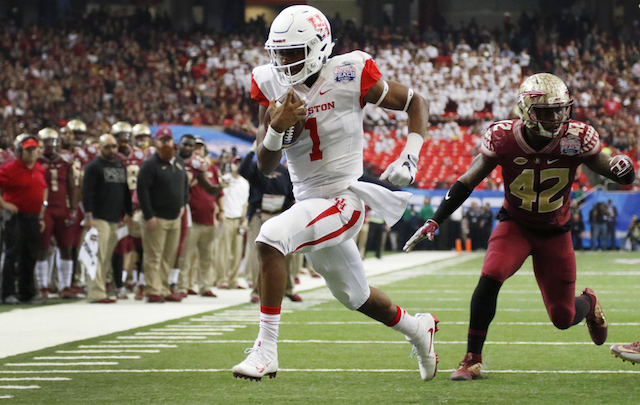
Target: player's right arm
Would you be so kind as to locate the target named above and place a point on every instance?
(270, 134)
(480, 167)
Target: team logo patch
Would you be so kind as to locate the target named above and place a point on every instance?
(520, 160)
(345, 72)
(570, 145)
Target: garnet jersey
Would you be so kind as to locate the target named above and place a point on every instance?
(537, 184)
(328, 154)
(57, 172)
(80, 161)
(202, 205)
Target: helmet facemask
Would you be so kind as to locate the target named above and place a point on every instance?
(299, 29)
(544, 105)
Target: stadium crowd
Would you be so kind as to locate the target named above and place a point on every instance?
(98, 75)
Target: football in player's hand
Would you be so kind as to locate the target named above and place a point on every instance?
(292, 134)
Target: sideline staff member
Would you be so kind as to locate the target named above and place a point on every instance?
(163, 191)
(24, 195)
(107, 199)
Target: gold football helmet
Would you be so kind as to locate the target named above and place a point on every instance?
(76, 126)
(544, 104)
(120, 127)
(141, 135)
(48, 133)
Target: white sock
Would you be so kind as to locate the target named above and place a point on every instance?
(407, 324)
(65, 272)
(124, 276)
(42, 271)
(268, 334)
(141, 279)
(51, 261)
(173, 276)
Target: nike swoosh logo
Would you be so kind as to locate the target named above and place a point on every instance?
(261, 370)
(446, 197)
(431, 331)
(322, 93)
(552, 161)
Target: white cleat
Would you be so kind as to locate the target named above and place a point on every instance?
(423, 346)
(256, 365)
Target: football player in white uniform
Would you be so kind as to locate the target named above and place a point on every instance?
(325, 164)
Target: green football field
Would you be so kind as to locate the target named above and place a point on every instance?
(329, 355)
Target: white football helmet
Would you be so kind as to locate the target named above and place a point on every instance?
(544, 104)
(299, 27)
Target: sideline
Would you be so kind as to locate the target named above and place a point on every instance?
(28, 330)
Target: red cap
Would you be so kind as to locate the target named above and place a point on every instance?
(29, 142)
(236, 159)
(163, 132)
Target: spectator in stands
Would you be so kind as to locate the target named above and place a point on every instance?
(163, 191)
(236, 198)
(107, 201)
(23, 202)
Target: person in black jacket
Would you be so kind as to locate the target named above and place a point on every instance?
(163, 191)
(107, 201)
(268, 196)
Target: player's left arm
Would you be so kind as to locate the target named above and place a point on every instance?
(395, 96)
(618, 168)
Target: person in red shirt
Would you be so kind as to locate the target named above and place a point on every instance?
(59, 215)
(24, 192)
(204, 190)
(539, 154)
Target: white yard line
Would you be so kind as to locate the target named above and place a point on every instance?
(320, 370)
(120, 346)
(107, 351)
(19, 387)
(85, 357)
(390, 342)
(156, 336)
(35, 379)
(77, 363)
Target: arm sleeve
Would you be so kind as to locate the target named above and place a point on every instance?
(247, 168)
(370, 76)
(456, 195)
(90, 186)
(145, 179)
(128, 205)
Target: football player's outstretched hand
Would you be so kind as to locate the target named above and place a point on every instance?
(402, 171)
(426, 231)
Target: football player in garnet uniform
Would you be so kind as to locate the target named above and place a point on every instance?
(325, 164)
(132, 157)
(539, 154)
(59, 215)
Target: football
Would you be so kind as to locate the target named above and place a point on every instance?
(292, 134)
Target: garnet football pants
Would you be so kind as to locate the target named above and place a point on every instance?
(554, 266)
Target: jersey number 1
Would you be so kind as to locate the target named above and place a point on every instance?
(312, 125)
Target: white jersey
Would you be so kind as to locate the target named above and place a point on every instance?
(328, 154)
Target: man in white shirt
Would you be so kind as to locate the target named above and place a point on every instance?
(236, 200)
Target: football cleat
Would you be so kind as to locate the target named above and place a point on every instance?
(629, 352)
(423, 346)
(257, 364)
(469, 369)
(596, 322)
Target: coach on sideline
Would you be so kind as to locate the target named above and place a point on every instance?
(24, 196)
(107, 200)
(163, 191)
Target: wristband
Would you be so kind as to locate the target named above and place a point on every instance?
(414, 144)
(273, 139)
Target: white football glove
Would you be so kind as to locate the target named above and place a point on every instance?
(402, 171)
(426, 231)
(620, 165)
